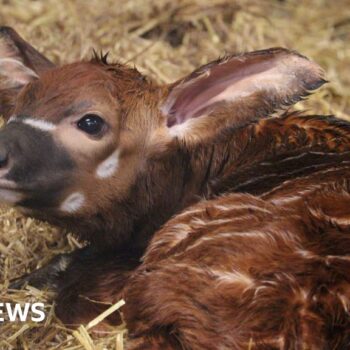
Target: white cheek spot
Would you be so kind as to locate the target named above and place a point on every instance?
(12, 119)
(9, 196)
(40, 124)
(73, 202)
(109, 166)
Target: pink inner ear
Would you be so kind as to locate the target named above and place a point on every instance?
(12, 46)
(282, 73)
(16, 73)
(221, 83)
(12, 67)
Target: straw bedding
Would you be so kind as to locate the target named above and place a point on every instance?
(164, 39)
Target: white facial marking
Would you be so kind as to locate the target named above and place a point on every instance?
(73, 202)
(40, 124)
(12, 119)
(10, 196)
(35, 123)
(109, 166)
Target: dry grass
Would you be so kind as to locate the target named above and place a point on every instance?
(165, 39)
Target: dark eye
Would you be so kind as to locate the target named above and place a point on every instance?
(92, 124)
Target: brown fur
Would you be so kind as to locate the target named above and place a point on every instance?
(256, 252)
(240, 269)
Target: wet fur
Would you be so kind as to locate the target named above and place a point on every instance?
(234, 269)
(230, 236)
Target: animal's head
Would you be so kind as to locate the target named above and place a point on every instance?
(85, 142)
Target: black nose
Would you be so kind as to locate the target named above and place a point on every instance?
(3, 157)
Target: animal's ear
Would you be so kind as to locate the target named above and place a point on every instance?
(243, 88)
(20, 63)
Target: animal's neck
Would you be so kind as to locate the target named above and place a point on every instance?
(179, 178)
(259, 157)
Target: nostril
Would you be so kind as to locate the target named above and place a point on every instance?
(3, 157)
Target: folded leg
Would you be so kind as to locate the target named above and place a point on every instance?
(86, 281)
(93, 282)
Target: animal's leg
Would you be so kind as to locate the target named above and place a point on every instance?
(86, 282)
(91, 284)
(165, 309)
(47, 276)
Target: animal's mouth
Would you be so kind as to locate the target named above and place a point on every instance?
(8, 185)
(10, 193)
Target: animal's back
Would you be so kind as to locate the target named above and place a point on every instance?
(252, 272)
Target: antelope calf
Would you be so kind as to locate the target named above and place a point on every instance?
(222, 227)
